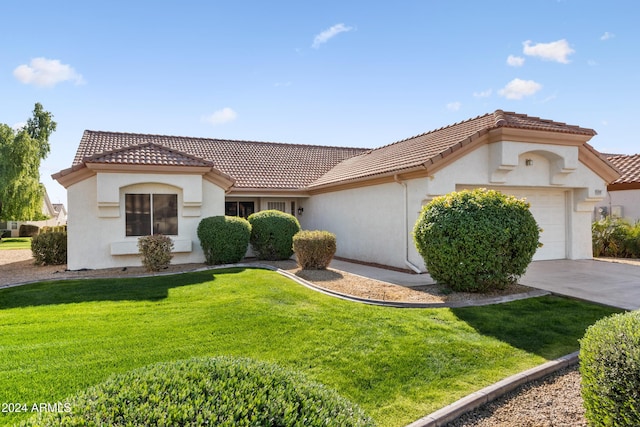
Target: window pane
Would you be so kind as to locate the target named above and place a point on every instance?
(246, 209)
(138, 214)
(165, 214)
(279, 206)
(231, 208)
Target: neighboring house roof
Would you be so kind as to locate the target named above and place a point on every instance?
(429, 148)
(261, 165)
(59, 208)
(629, 167)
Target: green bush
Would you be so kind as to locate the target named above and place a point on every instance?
(224, 239)
(314, 249)
(28, 230)
(208, 391)
(155, 251)
(477, 240)
(49, 248)
(5, 233)
(610, 369)
(272, 234)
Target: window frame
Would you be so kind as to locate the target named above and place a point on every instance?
(150, 213)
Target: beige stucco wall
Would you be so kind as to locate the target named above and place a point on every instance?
(627, 200)
(96, 221)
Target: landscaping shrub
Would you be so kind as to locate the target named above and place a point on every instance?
(314, 249)
(28, 230)
(224, 239)
(272, 234)
(155, 251)
(609, 237)
(49, 248)
(476, 240)
(5, 233)
(207, 391)
(610, 369)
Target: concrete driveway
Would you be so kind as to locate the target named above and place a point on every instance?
(611, 283)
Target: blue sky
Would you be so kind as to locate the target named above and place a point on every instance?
(347, 73)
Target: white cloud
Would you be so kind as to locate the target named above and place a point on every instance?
(454, 106)
(607, 35)
(328, 34)
(518, 89)
(45, 72)
(592, 62)
(484, 94)
(554, 51)
(515, 61)
(220, 117)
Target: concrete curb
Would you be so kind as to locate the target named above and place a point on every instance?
(488, 394)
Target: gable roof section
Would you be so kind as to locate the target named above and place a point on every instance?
(253, 165)
(629, 167)
(428, 151)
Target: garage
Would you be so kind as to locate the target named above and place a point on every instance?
(549, 209)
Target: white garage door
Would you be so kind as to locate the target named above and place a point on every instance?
(549, 209)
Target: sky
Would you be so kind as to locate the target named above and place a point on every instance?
(342, 73)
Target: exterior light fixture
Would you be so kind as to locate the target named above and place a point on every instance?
(300, 210)
(528, 162)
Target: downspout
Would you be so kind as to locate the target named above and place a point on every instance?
(406, 226)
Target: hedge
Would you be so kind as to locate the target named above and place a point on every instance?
(49, 248)
(476, 240)
(272, 234)
(224, 239)
(610, 369)
(219, 391)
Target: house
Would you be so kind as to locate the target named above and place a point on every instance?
(121, 186)
(623, 194)
(55, 212)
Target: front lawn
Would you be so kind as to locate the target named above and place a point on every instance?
(398, 364)
(15, 243)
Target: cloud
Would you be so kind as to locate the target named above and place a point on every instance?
(328, 34)
(554, 51)
(484, 94)
(454, 106)
(515, 61)
(518, 89)
(45, 72)
(220, 117)
(607, 35)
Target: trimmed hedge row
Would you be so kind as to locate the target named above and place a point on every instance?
(610, 369)
(314, 249)
(217, 391)
(224, 239)
(272, 234)
(476, 240)
(28, 230)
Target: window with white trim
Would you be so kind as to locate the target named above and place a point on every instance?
(147, 214)
(279, 206)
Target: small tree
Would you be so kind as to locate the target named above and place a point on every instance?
(272, 234)
(476, 240)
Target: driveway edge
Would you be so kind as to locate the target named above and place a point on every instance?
(474, 400)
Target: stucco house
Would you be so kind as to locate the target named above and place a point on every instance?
(55, 212)
(623, 194)
(121, 186)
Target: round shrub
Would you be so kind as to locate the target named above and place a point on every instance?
(476, 240)
(208, 391)
(49, 248)
(155, 251)
(272, 234)
(314, 249)
(610, 369)
(224, 239)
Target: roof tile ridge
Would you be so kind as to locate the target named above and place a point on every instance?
(202, 138)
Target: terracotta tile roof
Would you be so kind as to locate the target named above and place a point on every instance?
(251, 164)
(426, 148)
(629, 167)
(147, 154)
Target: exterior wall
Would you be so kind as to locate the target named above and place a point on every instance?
(627, 200)
(370, 223)
(96, 219)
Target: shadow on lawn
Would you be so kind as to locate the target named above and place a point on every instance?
(546, 326)
(153, 288)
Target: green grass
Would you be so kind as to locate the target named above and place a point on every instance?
(58, 338)
(15, 243)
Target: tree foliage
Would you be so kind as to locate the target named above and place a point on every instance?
(21, 152)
